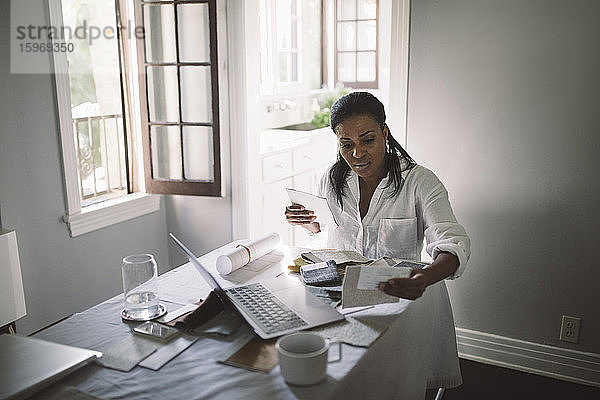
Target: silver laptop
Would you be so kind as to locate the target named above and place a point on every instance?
(28, 364)
(273, 308)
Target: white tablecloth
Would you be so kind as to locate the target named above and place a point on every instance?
(417, 351)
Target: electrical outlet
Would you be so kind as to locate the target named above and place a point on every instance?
(569, 329)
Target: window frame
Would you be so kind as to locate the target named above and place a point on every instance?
(183, 186)
(83, 219)
(356, 84)
(271, 87)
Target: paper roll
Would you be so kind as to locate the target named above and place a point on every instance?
(244, 254)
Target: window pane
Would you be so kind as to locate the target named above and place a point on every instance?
(163, 99)
(313, 46)
(101, 151)
(166, 152)
(346, 9)
(196, 94)
(366, 66)
(346, 67)
(83, 129)
(367, 9)
(194, 39)
(346, 36)
(198, 153)
(367, 35)
(96, 112)
(294, 33)
(115, 145)
(265, 45)
(159, 35)
(284, 24)
(283, 67)
(293, 67)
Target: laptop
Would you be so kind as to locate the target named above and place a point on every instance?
(272, 308)
(28, 364)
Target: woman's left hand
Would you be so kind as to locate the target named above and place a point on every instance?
(406, 288)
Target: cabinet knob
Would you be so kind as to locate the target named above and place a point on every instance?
(308, 156)
(279, 165)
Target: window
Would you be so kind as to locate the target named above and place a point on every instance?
(308, 44)
(96, 101)
(179, 96)
(137, 99)
(356, 43)
(290, 46)
(288, 39)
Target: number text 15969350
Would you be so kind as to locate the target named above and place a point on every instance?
(33, 47)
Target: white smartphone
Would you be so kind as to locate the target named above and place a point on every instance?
(156, 331)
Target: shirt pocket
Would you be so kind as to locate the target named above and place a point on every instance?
(397, 238)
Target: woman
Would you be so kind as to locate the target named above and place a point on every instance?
(383, 202)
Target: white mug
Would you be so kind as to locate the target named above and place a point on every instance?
(303, 357)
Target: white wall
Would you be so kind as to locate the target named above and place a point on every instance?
(61, 275)
(503, 106)
(205, 223)
(202, 223)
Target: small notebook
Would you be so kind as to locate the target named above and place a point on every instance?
(359, 331)
(125, 354)
(252, 353)
(321, 274)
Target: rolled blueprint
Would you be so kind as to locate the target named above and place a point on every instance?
(246, 253)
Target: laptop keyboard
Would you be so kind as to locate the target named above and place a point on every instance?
(266, 310)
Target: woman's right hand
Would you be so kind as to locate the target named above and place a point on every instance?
(296, 214)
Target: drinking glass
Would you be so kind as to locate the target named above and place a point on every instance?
(140, 288)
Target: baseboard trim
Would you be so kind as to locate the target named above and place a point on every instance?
(554, 362)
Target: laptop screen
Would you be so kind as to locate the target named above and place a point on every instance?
(212, 282)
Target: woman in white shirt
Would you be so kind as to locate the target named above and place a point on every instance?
(385, 204)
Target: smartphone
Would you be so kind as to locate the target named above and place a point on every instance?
(156, 331)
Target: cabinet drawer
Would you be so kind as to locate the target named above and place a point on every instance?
(277, 166)
(304, 158)
(307, 157)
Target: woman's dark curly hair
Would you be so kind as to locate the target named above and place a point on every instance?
(397, 159)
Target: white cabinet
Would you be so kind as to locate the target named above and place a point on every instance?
(296, 160)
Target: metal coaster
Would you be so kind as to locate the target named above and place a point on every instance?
(162, 310)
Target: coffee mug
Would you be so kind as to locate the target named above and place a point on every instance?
(303, 357)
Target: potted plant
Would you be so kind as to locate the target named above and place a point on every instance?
(321, 113)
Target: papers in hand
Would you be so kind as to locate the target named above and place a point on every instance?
(369, 277)
(360, 283)
(246, 253)
(314, 203)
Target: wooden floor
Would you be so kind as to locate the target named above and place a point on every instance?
(482, 381)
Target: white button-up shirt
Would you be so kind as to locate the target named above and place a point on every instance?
(396, 226)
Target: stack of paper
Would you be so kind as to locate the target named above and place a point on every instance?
(341, 256)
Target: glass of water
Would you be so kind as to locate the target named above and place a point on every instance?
(140, 288)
